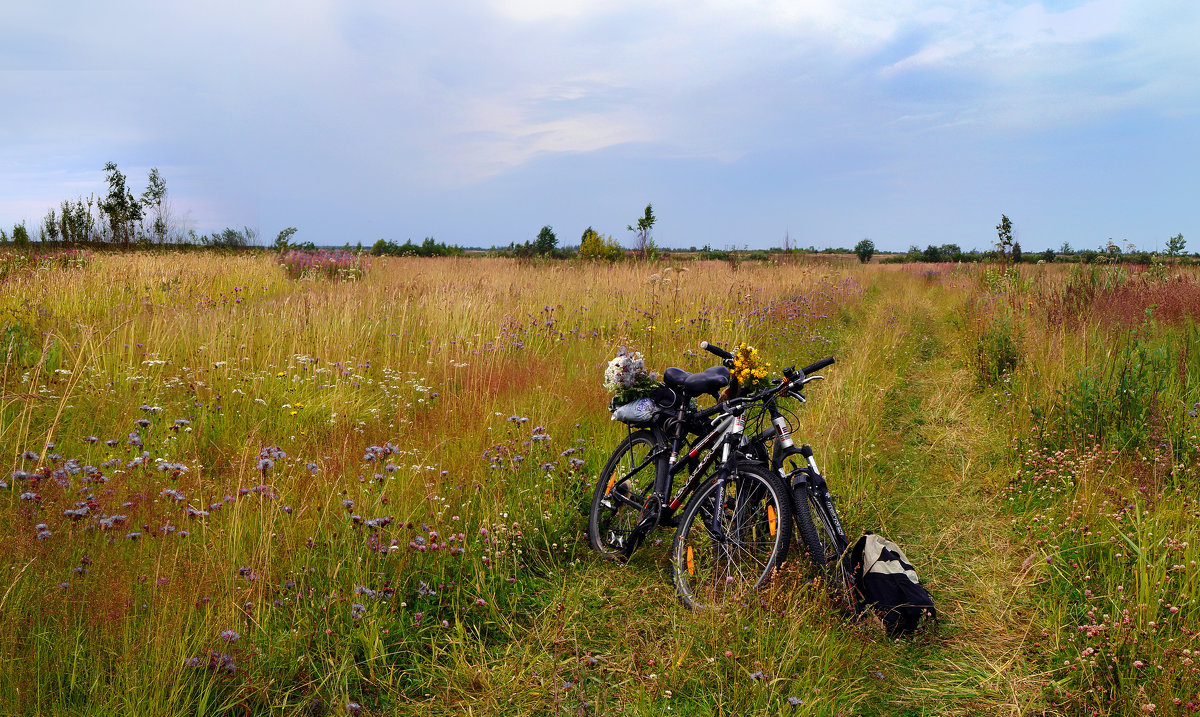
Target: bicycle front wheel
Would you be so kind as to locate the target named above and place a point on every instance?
(722, 551)
(621, 490)
(817, 521)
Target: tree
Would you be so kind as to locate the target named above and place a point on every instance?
(284, 239)
(229, 239)
(122, 209)
(76, 222)
(1176, 245)
(153, 199)
(865, 249)
(593, 246)
(50, 226)
(546, 241)
(1016, 253)
(932, 254)
(20, 235)
(1004, 237)
(643, 242)
(1048, 256)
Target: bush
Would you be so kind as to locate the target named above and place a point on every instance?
(594, 247)
(20, 235)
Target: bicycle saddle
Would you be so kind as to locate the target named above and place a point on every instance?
(710, 380)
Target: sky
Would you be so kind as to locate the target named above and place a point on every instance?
(477, 122)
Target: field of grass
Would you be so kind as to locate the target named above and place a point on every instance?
(228, 490)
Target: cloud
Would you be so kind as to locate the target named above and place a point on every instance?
(370, 108)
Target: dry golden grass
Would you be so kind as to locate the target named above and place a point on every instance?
(442, 359)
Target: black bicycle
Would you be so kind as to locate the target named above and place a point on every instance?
(736, 516)
(817, 522)
(818, 525)
(630, 498)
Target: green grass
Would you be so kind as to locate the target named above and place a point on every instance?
(951, 423)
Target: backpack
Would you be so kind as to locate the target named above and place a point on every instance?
(884, 581)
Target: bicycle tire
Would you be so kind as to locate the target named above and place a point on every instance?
(709, 570)
(610, 520)
(816, 520)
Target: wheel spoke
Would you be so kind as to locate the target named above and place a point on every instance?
(738, 556)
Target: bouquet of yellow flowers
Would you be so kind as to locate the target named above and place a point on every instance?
(749, 370)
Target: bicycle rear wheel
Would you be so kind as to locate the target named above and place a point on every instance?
(754, 529)
(625, 482)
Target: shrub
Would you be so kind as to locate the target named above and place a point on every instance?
(429, 247)
(594, 247)
(20, 235)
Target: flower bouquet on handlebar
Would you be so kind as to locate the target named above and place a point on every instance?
(748, 373)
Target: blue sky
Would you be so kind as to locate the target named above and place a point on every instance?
(478, 122)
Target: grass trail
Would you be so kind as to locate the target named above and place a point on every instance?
(931, 487)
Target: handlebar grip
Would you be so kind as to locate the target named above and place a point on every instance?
(716, 350)
(817, 366)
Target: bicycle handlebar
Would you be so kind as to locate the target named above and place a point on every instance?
(778, 386)
(817, 366)
(716, 351)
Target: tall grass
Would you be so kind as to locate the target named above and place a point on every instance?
(380, 487)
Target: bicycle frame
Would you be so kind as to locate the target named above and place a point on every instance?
(729, 429)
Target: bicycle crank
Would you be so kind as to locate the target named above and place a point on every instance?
(647, 522)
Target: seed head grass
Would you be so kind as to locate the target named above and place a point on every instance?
(255, 491)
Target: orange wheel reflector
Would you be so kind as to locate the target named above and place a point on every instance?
(691, 562)
(611, 482)
(771, 518)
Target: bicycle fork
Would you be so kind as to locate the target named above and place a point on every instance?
(816, 487)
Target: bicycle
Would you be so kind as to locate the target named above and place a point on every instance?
(817, 522)
(807, 493)
(744, 523)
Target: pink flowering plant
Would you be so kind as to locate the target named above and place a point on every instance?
(334, 265)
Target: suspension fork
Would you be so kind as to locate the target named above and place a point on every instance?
(783, 434)
(820, 489)
(662, 484)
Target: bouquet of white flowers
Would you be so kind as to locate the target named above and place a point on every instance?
(626, 377)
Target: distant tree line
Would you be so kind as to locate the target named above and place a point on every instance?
(121, 218)
(429, 247)
(1007, 249)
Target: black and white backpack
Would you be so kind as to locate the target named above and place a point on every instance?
(884, 581)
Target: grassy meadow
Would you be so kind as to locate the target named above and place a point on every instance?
(233, 489)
